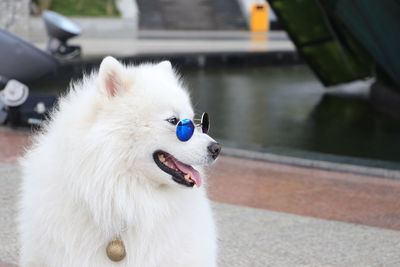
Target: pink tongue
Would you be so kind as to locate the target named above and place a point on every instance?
(194, 175)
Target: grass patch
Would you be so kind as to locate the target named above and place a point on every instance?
(90, 8)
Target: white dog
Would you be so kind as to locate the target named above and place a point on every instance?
(108, 183)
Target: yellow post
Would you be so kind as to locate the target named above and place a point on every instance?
(259, 18)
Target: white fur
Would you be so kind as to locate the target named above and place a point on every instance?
(90, 176)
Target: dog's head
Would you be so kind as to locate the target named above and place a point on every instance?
(140, 109)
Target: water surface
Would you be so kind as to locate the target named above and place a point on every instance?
(287, 110)
(283, 110)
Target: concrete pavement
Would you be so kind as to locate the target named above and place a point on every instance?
(166, 43)
(98, 42)
(254, 237)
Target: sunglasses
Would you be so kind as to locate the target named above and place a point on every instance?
(185, 127)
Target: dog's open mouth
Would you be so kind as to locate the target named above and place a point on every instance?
(181, 173)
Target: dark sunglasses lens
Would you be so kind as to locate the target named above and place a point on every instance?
(205, 123)
(184, 130)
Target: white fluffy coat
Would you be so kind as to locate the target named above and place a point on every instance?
(90, 176)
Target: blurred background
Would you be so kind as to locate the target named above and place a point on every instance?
(308, 95)
(304, 96)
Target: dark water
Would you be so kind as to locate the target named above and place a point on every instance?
(286, 110)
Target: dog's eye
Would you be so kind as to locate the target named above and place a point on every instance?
(173, 120)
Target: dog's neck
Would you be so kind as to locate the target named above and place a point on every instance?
(137, 206)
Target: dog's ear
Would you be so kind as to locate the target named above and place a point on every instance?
(166, 65)
(111, 76)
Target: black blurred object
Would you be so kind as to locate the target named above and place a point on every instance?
(21, 60)
(20, 108)
(3, 113)
(60, 29)
(31, 113)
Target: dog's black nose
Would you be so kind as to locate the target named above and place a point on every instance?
(214, 150)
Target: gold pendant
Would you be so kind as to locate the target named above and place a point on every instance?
(116, 250)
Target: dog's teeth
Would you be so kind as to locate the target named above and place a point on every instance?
(161, 157)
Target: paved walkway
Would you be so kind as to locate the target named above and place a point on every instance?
(303, 217)
(179, 42)
(256, 237)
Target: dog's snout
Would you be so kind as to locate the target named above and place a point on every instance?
(214, 149)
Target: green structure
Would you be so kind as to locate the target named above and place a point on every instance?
(344, 40)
